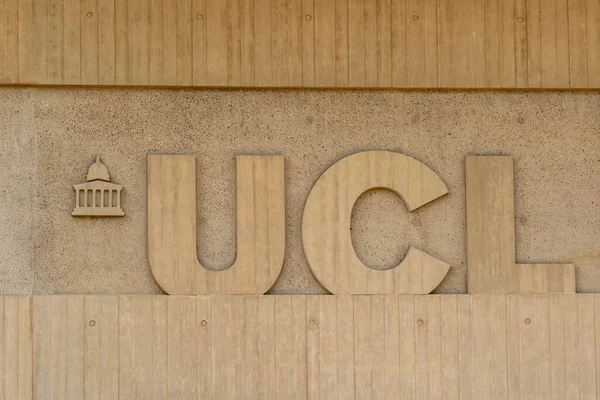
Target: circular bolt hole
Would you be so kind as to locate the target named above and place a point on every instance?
(520, 20)
(92, 323)
(312, 322)
(527, 321)
(203, 322)
(199, 16)
(90, 14)
(420, 322)
(415, 17)
(308, 17)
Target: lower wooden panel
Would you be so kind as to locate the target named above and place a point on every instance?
(300, 347)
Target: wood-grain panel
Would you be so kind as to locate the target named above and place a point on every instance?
(319, 347)
(491, 235)
(302, 43)
(172, 225)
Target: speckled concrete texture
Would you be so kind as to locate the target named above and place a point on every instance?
(49, 137)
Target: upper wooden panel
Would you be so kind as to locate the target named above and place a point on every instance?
(302, 43)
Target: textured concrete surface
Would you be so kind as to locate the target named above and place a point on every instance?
(49, 137)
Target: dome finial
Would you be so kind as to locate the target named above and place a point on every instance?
(98, 171)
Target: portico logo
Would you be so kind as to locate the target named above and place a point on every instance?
(326, 228)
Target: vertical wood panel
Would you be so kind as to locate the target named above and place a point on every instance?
(184, 43)
(100, 323)
(587, 354)
(75, 361)
(234, 53)
(399, 43)
(435, 346)
(55, 73)
(295, 42)
(90, 51)
(392, 348)
(40, 40)
(263, 58)
(449, 338)
(416, 40)
(406, 318)
(548, 43)
(204, 346)
(281, 43)
(356, 45)
(324, 42)
(577, 43)
(217, 46)
(42, 338)
(534, 45)
(542, 321)
(431, 44)
(182, 347)
(199, 44)
(3, 35)
(266, 351)
(378, 348)
(464, 348)
(422, 365)
(573, 372)
(313, 348)
(156, 43)
(479, 45)
(506, 32)
(563, 68)
(308, 43)
(363, 383)
(10, 41)
(106, 42)
(328, 350)
(481, 373)
(284, 347)
(384, 43)
(342, 44)
(26, 67)
(498, 347)
(513, 346)
(169, 20)
(463, 43)
(521, 51)
(528, 326)
(445, 41)
(122, 42)
(593, 42)
(371, 42)
(557, 347)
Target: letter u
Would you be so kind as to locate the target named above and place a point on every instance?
(172, 254)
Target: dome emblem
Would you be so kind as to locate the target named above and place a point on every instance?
(98, 171)
(98, 197)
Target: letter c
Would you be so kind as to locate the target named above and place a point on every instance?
(326, 224)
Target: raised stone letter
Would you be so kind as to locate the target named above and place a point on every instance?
(172, 226)
(491, 235)
(326, 224)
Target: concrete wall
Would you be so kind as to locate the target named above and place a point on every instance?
(49, 137)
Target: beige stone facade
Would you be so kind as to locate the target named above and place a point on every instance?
(49, 135)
